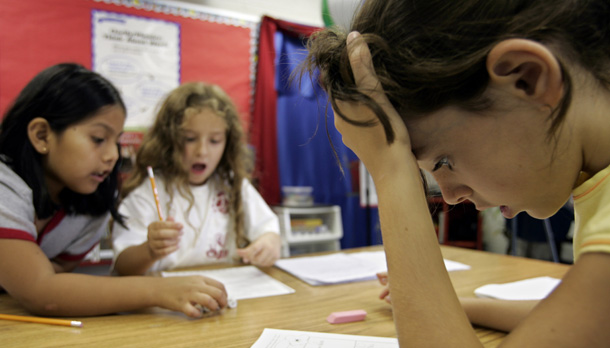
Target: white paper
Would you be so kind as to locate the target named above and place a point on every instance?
(273, 338)
(343, 267)
(528, 289)
(140, 56)
(242, 282)
(455, 266)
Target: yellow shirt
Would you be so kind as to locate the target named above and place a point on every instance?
(592, 214)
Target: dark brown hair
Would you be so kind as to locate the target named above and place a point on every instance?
(429, 54)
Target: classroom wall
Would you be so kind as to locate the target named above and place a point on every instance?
(37, 34)
(308, 12)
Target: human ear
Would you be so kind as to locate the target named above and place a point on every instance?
(38, 133)
(527, 69)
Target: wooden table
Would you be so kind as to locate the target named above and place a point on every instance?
(304, 310)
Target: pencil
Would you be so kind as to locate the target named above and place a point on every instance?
(151, 176)
(39, 320)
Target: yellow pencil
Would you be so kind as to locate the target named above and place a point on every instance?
(39, 320)
(151, 176)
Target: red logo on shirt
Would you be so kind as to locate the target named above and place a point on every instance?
(221, 204)
(218, 252)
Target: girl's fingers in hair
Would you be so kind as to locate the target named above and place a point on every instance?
(364, 74)
(362, 68)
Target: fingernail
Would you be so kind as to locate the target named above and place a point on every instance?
(351, 36)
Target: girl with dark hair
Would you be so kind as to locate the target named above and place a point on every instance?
(507, 104)
(58, 181)
(197, 148)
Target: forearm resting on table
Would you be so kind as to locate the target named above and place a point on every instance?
(496, 314)
(69, 294)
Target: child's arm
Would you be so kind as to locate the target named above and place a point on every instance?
(264, 251)
(27, 275)
(496, 314)
(61, 266)
(427, 312)
(163, 239)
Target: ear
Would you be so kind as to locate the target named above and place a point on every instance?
(38, 133)
(527, 69)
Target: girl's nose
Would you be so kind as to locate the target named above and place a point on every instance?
(112, 153)
(454, 193)
(202, 148)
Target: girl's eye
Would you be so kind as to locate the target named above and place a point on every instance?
(190, 139)
(97, 140)
(442, 162)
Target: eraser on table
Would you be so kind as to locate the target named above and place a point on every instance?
(346, 317)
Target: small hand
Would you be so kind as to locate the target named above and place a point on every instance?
(384, 280)
(163, 237)
(189, 294)
(262, 252)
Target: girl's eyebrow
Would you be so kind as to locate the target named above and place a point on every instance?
(106, 127)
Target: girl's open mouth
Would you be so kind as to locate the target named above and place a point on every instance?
(198, 168)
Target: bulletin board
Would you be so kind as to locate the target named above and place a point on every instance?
(37, 34)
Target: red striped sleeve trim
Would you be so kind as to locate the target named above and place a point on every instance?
(55, 220)
(10, 233)
(71, 257)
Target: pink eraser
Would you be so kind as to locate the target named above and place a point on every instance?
(346, 317)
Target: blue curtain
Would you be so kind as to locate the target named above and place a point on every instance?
(305, 155)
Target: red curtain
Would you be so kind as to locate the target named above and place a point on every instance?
(263, 128)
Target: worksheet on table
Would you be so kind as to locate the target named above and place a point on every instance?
(344, 267)
(242, 282)
(273, 338)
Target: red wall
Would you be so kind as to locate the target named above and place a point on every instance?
(37, 34)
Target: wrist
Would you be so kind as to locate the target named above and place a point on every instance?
(393, 164)
(152, 257)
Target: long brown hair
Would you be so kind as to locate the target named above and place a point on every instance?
(429, 54)
(163, 148)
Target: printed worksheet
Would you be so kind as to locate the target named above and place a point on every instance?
(344, 267)
(242, 282)
(273, 338)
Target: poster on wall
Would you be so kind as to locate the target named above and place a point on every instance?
(141, 57)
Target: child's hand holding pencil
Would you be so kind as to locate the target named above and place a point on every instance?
(153, 184)
(164, 237)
